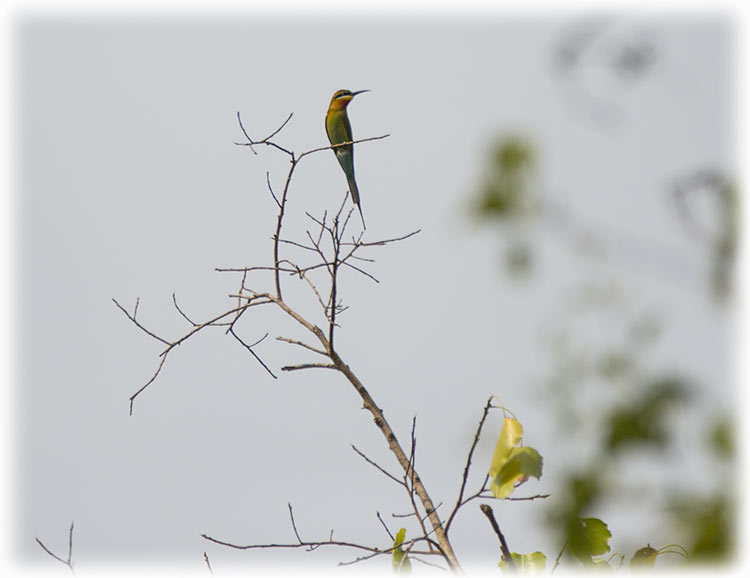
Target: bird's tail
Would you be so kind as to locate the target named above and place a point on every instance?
(355, 197)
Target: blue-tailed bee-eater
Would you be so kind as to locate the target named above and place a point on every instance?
(340, 131)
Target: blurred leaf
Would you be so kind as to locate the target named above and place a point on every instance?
(588, 537)
(505, 193)
(643, 421)
(708, 525)
(722, 438)
(401, 562)
(533, 563)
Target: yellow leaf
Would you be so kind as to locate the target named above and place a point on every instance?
(510, 436)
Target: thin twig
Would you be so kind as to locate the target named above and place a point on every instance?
(294, 525)
(69, 561)
(250, 349)
(181, 312)
(308, 366)
(384, 525)
(507, 556)
(133, 319)
(208, 563)
(301, 344)
(465, 477)
(559, 557)
(377, 466)
(528, 498)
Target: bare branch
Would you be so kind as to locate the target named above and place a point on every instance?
(378, 467)
(528, 498)
(384, 241)
(181, 312)
(383, 523)
(138, 325)
(459, 503)
(208, 563)
(365, 273)
(149, 382)
(507, 556)
(308, 366)
(301, 344)
(294, 525)
(343, 144)
(266, 141)
(69, 561)
(250, 349)
(251, 301)
(270, 189)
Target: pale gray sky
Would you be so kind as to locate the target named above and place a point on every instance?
(130, 186)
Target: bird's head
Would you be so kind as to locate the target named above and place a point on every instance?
(341, 98)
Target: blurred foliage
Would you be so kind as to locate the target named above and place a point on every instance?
(721, 437)
(600, 382)
(708, 526)
(726, 242)
(599, 59)
(643, 419)
(709, 207)
(506, 192)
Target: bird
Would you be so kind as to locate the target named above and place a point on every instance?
(339, 130)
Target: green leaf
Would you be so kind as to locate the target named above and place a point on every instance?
(533, 563)
(522, 463)
(588, 537)
(401, 562)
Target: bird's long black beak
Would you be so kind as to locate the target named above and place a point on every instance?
(356, 92)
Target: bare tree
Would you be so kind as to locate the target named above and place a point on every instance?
(332, 249)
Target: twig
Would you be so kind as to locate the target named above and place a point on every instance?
(181, 312)
(507, 556)
(465, 477)
(383, 523)
(133, 319)
(527, 498)
(270, 189)
(294, 525)
(378, 467)
(250, 349)
(69, 561)
(559, 557)
(308, 366)
(208, 563)
(301, 344)
(383, 241)
(251, 301)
